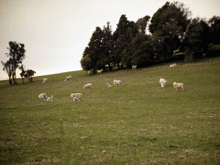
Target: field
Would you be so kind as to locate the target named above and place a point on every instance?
(136, 123)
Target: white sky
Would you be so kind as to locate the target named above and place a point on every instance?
(56, 32)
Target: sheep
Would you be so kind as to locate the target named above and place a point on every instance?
(99, 71)
(178, 85)
(134, 67)
(45, 80)
(90, 72)
(109, 85)
(173, 66)
(43, 96)
(68, 78)
(50, 98)
(89, 85)
(76, 99)
(117, 82)
(163, 82)
(76, 95)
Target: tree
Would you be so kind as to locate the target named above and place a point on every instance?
(196, 40)
(16, 56)
(142, 53)
(168, 26)
(142, 24)
(119, 39)
(92, 55)
(215, 29)
(27, 74)
(107, 45)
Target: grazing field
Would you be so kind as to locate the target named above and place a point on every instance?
(136, 123)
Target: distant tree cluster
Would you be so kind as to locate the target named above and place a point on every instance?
(171, 30)
(16, 56)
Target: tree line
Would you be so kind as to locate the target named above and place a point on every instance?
(171, 30)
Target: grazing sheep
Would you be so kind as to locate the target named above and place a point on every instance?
(45, 80)
(109, 85)
(43, 96)
(90, 72)
(178, 85)
(76, 95)
(117, 82)
(68, 78)
(163, 82)
(50, 98)
(173, 66)
(99, 71)
(134, 67)
(89, 85)
(76, 99)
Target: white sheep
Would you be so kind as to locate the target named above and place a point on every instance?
(117, 82)
(163, 82)
(76, 99)
(89, 85)
(43, 96)
(89, 72)
(178, 85)
(68, 78)
(76, 95)
(99, 71)
(45, 80)
(50, 98)
(134, 67)
(173, 66)
(109, 85)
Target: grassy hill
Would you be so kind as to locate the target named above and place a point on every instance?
(136, 123)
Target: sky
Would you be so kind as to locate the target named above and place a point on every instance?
(56, 32)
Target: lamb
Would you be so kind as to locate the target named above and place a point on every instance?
(99, 71)
(76, 95)
(45, 80)
(76, 99)
(89, 85)
(50, 98)
(117, 82)
(173, 66)
(68, 78)
(178, 85)
(134, 67)
(43, 96)
(90, 72)
(163, 82)
(109, 85)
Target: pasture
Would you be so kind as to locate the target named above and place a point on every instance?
(136, 123)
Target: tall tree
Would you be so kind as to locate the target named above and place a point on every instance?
(119, 39)
(215, 29)
(196, 40)
(107, 45)
(168, 26)
(16, 56)
(142, 24)
(92, 56)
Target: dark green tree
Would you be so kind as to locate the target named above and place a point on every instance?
(215, 29)
(107, 46)
(142, 24)
(168, 26)
(16, 56)
(196, 40)
(143, 52)
(119, 39)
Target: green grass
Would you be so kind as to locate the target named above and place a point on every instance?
(136, 123)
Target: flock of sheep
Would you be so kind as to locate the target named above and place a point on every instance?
(78, 96)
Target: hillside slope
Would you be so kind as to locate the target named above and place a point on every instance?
(136, 123)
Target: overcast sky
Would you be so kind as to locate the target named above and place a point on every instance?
(56, 32)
